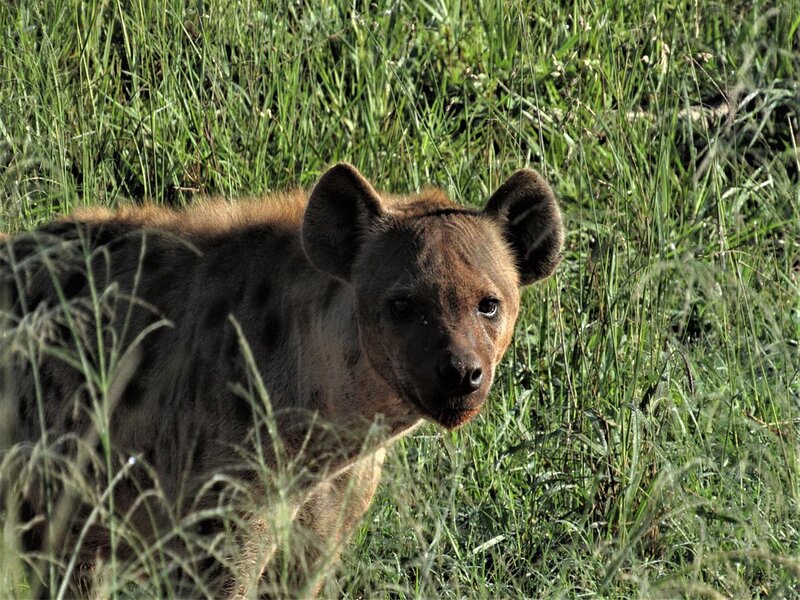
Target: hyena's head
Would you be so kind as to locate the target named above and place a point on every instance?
(436, 287)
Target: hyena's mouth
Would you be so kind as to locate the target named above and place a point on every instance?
(449, 412)
(451, 419)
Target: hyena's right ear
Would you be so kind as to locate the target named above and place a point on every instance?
(340, 209)
(528, 212)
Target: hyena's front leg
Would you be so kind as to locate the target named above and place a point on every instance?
(295, 561)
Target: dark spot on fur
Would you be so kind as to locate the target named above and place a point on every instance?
(261, 294)
(314, 399)
(133, 394)
(46, 378)
(453, 301)
(74, 285)
(99, 449)
(106, 233)
(210, 526)
(61, 334)
(60, 229)
(153, 258)
(237, 371)
(352, 358)
(35, 298)
(150, 352)
(259, 236)
(8, 297)
(217, 488)
(218, 265)
(33, 536)
(23, 247)
(242, 408)
(232, 347)
(217, 313)
(23, 404)
(271, 332)
(162, 279)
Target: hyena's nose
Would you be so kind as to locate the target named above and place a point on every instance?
(459, 374)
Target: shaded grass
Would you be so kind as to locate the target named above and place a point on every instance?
(643, 435)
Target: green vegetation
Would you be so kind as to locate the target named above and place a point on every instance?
(643, 435)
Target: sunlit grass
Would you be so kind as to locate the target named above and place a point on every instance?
(642, 439)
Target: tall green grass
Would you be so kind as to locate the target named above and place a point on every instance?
(643, 438)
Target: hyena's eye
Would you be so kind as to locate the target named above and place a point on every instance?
(488, 307)
(401, 307)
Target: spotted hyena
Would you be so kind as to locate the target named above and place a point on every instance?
(160, 366)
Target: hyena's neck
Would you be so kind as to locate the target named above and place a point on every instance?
(333, 374)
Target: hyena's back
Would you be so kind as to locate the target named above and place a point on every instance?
(136, 309)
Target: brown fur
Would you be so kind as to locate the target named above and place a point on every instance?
(364, 314)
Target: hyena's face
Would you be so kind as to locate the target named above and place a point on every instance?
(436, 287)
(436, 301)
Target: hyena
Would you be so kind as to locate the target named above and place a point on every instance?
(168, 359)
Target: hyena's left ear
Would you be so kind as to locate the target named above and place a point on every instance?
(528, 212)
(340, 210)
